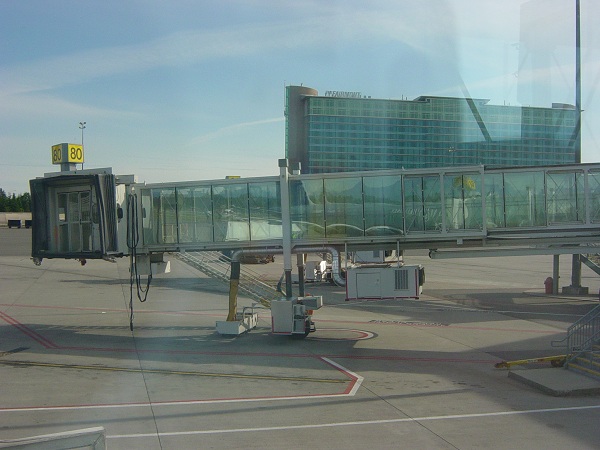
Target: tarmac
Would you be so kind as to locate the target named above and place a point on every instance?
(557, 382)
(378, 374)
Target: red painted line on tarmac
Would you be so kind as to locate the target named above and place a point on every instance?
(27, 331)
(49, 344)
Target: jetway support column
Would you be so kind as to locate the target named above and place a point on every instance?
(575, 288)
(286, 225)
(234, 281)
(301, 272)
(555, 273)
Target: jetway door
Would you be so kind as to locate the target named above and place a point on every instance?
(74, 218)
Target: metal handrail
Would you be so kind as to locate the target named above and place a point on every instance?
(217, 265)
(583, 334)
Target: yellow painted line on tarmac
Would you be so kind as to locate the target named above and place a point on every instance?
(170, 372)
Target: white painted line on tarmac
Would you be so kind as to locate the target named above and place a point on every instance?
(346, 424)
(357, 378)
(355, 382)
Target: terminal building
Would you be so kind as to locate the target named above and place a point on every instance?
(346, 131)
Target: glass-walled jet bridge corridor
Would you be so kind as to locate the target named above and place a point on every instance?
(452, 207)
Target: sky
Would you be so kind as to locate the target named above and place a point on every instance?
(185, 90)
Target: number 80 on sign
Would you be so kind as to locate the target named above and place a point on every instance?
(67, 153)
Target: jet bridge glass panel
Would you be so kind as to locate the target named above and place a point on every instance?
(565, 202)
(160, 216)
(525, 199)
(307, 208)
(211, 213)
(383, 205)
(264, 201)
(343, 207)
(494, 200)
(230, 212)
(194, 214)
(594, 195)
(462, 201)
(423, 203)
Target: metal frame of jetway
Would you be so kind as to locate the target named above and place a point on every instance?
(445, 208)
(461, 211)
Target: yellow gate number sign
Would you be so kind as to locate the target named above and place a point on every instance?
(67, 153)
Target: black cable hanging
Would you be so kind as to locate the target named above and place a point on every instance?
(133, 239)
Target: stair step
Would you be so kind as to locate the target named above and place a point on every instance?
(585, 370)
(215, 265)
(593, 362)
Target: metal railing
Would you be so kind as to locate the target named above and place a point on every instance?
(583, 335)
(218, 266)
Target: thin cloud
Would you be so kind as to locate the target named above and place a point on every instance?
(195, 46)
(231, 129)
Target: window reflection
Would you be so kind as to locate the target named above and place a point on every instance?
(307, 208)
(344, 207)
(265, 210)
(524, 199)
(383, 205)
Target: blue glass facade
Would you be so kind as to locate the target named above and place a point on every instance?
(337, 134)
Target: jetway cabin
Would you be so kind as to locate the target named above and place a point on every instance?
(78, 215)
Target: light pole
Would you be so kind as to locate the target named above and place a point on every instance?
(82, 127)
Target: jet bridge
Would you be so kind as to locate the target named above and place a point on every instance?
(555, 209)
(465, 211)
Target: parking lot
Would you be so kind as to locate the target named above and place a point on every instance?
(375, 374)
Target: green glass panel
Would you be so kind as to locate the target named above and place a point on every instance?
(494, 200)
(462, 194)
(86, 207)
(423, 206)
(307, 208)
(164, 208)
(265, 210)
(73, 208)
(524, 199)
(413, 201)
(159, 216)
(383, 205)
(344, 207)
(432, 203)
(561, 191)
(454, 202)
(594, 187)
(194, 213)
(230, 212)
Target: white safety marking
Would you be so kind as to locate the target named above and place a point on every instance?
(358, 379)
(355, 380)
(346, 424)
